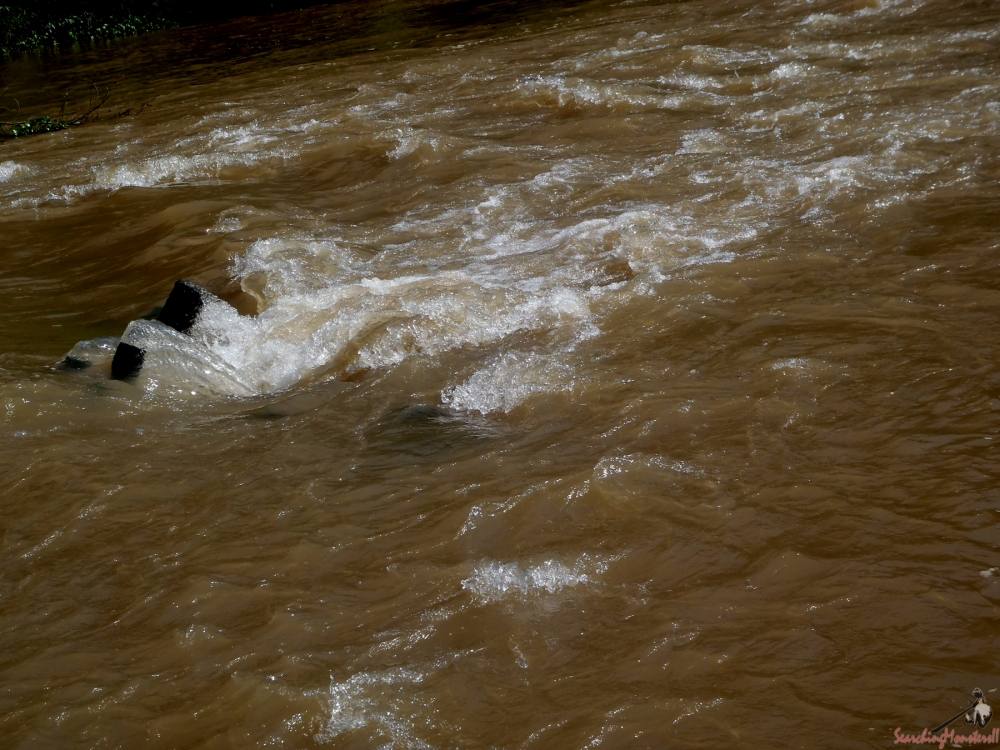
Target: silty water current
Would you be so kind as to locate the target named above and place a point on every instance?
(601, 375)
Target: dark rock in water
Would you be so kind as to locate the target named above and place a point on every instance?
(427, 430)
(127, 361)
(181, 309)
(72, 363)
(422, 414)
(180, 312)
(87, 354)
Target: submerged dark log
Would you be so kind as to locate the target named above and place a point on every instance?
(180, 312)
(127, 361)
(182, 307)
(72, 363)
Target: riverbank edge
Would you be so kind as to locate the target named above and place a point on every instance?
(26, 31)
(58, 27)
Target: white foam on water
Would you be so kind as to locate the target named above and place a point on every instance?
(297, 264)
(249, 137)
(579, 92)
(208, 155)
(559, 246)
(227, 222)
(729, 57)
(493, 581)
(374, 699)
(397, 643)
(410, 141)
(792, 363)
(704, 141)
(790, 71)
(508, 381)
(904, 8)
(641, 42)
(155, 171)
(329, 306)
(10, 169)
(378, 103)
(389, 701)
(833, 176)
(693, 708)
(365, 322)
(693, 81)
(200, 158)
(612, 466)
(561, 174)
(824, 19)
(42, 545)
(179, 365)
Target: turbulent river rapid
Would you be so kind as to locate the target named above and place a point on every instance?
(594, 375)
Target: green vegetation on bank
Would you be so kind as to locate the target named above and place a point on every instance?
(26, 29)
(30, 25)
(53, 123)
(35, 126)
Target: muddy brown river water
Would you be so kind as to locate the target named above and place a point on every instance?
(604, 375)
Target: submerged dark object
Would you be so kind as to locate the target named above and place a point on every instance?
(70, 362)
(85, 354)
(180, 312)
(428, 430)
(127, 361)
(182, 307)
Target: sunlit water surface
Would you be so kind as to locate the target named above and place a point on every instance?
(606, 375)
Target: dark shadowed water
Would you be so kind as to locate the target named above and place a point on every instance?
(609, 375)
